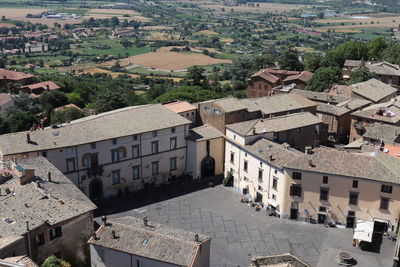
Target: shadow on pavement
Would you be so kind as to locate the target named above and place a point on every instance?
(150, 195)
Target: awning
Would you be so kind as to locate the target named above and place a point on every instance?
(272, 203)
(364, 231)
(381, 220)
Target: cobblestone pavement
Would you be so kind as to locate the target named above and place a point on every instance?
(239, 232)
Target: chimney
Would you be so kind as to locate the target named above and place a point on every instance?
(310, 163)
(27, 176)
(254, 130)
(196, 237)
(49, 192)
(113, 234)
(47, 87)
(104, 219)
(49, 176)
(145, 221)
(27, 225)
(271, 158)
(28, 137)
(307, 149)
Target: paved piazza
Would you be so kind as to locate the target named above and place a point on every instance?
(239, 232)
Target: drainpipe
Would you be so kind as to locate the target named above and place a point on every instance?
(28, 234)
(77, 167)
(269, 181)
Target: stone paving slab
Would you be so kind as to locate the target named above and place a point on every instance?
(240, 233)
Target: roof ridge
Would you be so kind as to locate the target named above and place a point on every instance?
(155, 233)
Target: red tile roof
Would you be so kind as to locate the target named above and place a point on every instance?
(52, 85)
(5, 98)
(13, 75)
(180, 106)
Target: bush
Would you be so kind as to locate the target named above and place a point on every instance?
(228, 179)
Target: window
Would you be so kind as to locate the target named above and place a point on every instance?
(275, 183)
(355, 184)
(273, 197)
(322, 209)
(173, 130)
(86, 160)
(172, 164)
(83, 178)
(351, 213)
(384, 203)
(172, 143)
(295, 190)
(325, 179)
(206, 109)
(71, 165)
(260, 188)
(44, 153)
(93, 145)
(260, 175)
(136, 151)
(154, 168)
(353, 198)
(139, 263)
(40, 240)
(117, 154)
(217, 112)
(260, 164)
(232, 157)
(55, 232)
(296, 175)
(275, 171)
(154, 133)
(116, 177)
(154, 147)
(136, 172)
(114, 141)
(386, 189)
(323, 196)
(135, 137)
(245, 165)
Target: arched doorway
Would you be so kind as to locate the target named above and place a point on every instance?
(96, 189)
(207, 167)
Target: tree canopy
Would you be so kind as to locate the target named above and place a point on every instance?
(324, 78)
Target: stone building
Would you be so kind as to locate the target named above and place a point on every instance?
(385, 113)
(42, 213)
(262, 82)
(221, 112)
(131, 241)
(112, 152)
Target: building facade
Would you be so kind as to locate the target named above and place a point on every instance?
(124, 154)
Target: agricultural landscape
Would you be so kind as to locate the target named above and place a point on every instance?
(154, 51)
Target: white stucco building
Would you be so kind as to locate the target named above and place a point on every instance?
(112, 152)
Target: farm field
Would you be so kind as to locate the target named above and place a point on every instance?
(262, 8)
(164, 59)
(119, 13)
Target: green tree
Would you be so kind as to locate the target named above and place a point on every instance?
(52, 99)
(348, 50)
(191, 94)
(361, 74)
(20, 121)
(376, 47)
(53, 261)
(290, 60)
(108, 100)
(324, 78)
(22, 102)
(3, 126)
(65, 115)
(195, 74)
(312, 62)
(75, 98)
(126, 43)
